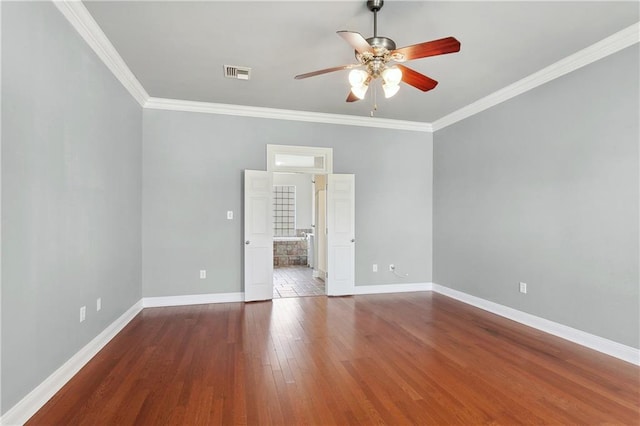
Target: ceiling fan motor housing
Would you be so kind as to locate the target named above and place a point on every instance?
(382, 46)
(375, 62)
(385, 42)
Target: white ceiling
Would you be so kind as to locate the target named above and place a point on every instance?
(177, 49)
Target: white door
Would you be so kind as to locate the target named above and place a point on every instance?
(258, 235)
(340, 235)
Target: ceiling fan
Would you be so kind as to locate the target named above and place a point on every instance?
(378, 57)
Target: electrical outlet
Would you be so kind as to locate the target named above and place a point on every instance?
(203, 274)
(229, 214)
(83, 313)
(375, 267)
(392, 267)
(523, 288)
(98, 303)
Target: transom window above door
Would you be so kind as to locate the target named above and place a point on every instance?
(300, 159)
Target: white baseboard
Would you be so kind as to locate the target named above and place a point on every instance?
(34, 400)
(191, 299)
(600, 344)
(30, 404)
(392, 288)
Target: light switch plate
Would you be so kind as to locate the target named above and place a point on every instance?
(523, 288)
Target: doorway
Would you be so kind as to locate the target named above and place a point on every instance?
(337, 232)
(296, 281)
(299, 251)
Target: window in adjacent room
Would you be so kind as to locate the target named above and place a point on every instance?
(284, 211)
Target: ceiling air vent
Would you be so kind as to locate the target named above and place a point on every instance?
(240, 73)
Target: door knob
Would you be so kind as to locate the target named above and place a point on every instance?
(353, 240)
(247, 242)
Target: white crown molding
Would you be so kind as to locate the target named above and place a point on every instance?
(1, 239)
(612, 44)
(34, 400)
(80, 18)
(284, 114)
(191, 299)
(600, 344)
(392, 288)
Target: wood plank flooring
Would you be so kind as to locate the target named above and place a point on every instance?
(411, 358)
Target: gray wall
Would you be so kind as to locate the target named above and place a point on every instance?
(192, 174)
(544, 189)
(71, 189)
(102, 200)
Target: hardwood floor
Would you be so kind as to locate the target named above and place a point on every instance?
(411, 358)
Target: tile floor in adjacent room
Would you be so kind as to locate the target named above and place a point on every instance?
(296, 281)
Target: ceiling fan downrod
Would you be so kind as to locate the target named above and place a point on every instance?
(375, 41)
(375, 6)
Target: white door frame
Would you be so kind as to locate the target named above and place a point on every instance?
(343, 247)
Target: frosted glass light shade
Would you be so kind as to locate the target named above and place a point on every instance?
(392, 76)
(357, 77)
(390, 89)
(360, 91)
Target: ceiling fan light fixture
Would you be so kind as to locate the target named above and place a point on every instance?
(377, 55)
(357, 78)
(392, 76)
(390, 89)
(359, 81)
(360, 91)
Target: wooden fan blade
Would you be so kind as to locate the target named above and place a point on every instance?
(417, 80)
(352, 98)
(325, 71)
(428, 48)
(356, 41)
